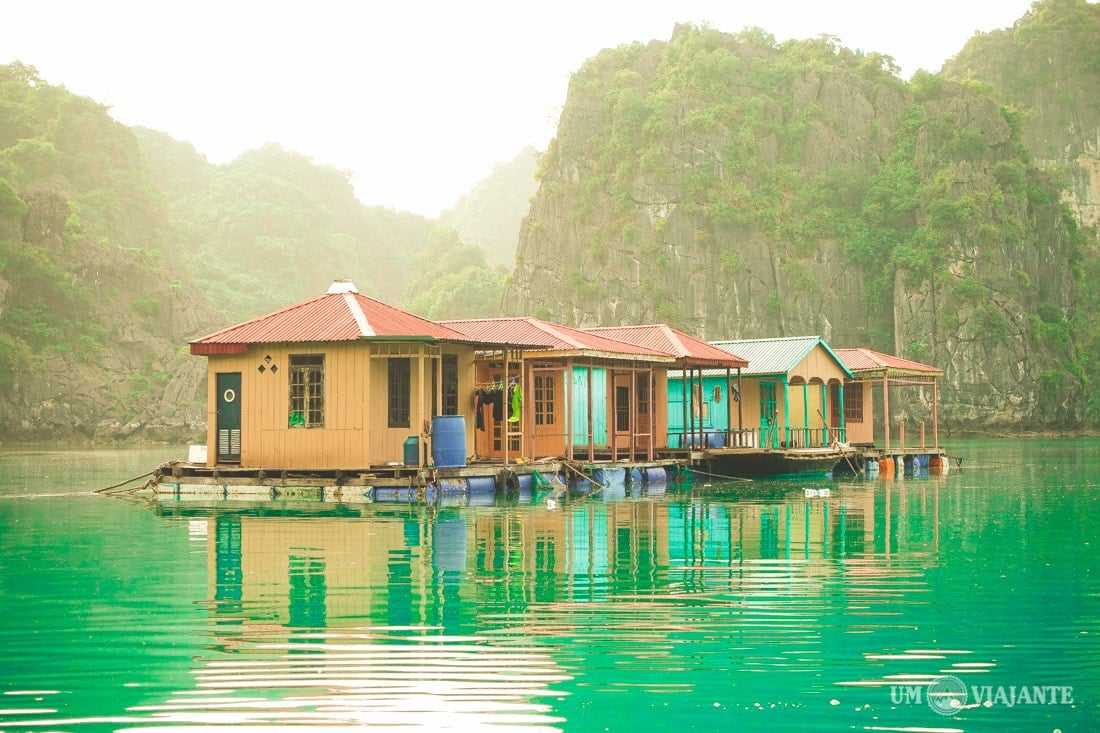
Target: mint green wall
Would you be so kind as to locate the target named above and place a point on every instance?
(580, 406)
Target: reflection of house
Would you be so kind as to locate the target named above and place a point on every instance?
(787, 394)
(581, 392)
(872, 369)
(398, 569)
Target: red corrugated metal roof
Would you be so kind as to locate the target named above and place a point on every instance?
(342, 314)
(866, 360)
(553, 336)
(686, 348)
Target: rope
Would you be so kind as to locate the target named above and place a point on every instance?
(110, 489)
(583, 475)
(721, 476)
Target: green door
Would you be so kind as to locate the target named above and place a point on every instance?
(769, 430)
(229, 417)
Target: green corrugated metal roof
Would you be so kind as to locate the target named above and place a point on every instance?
(776, 355)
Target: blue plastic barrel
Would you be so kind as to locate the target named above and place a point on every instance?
(449, 441)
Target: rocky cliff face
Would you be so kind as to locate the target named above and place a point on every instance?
(737, 187)
(1047, 66)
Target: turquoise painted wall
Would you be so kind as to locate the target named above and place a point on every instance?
(716, 417)
(580, 406)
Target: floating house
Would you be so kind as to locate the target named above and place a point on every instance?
(785, 398)
(337, 382)
(692, 426)
(873, 372)
(584, 395)
(346, 397)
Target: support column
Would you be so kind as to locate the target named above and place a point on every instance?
(652, 412)
(420, 406)
(935, 416)
(886, 410)
(786, 411)
(569, 410)
(684, 405)
(740, 403)
(591, 429)
(527, 403)
(729, 411)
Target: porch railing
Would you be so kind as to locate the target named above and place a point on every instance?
(764, 437)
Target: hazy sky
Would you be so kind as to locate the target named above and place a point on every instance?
(416, 99)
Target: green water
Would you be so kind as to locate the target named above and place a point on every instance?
(719, 607)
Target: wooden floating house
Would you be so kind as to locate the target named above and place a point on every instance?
(787, 401)
(889, 452)
(344, 397)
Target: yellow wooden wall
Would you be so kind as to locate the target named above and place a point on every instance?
(861, 431)
(356, 434)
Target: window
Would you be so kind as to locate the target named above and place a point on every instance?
(641, 389)
(399, 399)
(450, 384)
(544, 399)
(622, 409)
(307, 390)
(853, 403)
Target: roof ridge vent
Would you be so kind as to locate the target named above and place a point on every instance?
(342, 285)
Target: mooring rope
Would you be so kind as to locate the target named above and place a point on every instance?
(109, 489)
(721, 476)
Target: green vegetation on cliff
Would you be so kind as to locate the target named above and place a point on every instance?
(741, 187)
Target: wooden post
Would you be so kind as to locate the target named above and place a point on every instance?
(901, 434)
(569, 410)
(806, 414)
(591, 429)
(684, 406)
(922, 434)
(504, 412)
(652, 411)
(935, 416)
(729, 411)
(420, 405)
(527, 414)
(740, 411)
(613, 418)
(886, 410)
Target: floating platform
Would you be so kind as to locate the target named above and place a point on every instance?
(772, 462)
(477, 483)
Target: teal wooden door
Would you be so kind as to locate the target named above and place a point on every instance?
(769, 429)
(229, 417)
(580, 406)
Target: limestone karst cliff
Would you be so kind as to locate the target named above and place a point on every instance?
(739, 187)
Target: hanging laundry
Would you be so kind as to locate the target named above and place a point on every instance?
(516, 393)
(480, 399)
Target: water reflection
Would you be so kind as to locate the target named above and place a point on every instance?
(502, 615)
(718, 607)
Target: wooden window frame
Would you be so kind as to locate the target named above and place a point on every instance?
(544, 399)
(399, 392)
(306, 378)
